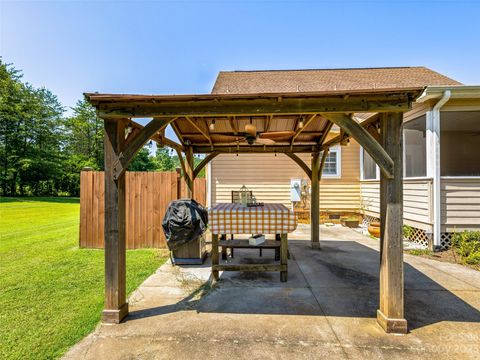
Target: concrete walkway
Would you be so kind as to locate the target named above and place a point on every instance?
(326, 310)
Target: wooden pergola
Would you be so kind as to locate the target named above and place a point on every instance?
(191, 117)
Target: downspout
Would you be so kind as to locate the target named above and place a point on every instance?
(435, 167)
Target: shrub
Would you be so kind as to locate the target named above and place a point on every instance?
(467, 245)
(407, 232)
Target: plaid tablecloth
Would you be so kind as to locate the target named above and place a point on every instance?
(236, 219)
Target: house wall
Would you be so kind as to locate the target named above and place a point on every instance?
(460, 204)
(268, 176)
(417, 201)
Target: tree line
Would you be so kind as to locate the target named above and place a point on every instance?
(42, 151)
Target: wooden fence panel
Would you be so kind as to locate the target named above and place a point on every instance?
(148, 195)
(199, 190)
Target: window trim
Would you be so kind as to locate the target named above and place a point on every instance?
(337, 149)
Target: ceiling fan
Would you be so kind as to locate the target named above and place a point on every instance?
(251, 136)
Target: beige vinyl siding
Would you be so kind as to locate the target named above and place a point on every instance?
(268, 176)
(417, 201)
(460, 204)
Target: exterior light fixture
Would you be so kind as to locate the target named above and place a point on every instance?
(300, 123)
(212, 125)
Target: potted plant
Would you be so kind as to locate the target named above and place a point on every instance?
(374, 229)
(351, 222)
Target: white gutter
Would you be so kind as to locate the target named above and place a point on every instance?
(434, 166)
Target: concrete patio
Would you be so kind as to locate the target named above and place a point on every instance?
(326, 309)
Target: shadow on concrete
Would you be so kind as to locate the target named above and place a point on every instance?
(339, 280)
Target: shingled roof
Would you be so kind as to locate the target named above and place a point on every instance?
(315, 80)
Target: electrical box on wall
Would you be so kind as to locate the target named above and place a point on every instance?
(295, 189)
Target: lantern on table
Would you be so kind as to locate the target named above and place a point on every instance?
(244, 195)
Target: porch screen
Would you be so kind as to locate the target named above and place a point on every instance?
(415, 147)
(460, 143)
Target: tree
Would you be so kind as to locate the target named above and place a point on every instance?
(83, 145)
(143, 161)
(164, 159)
(31, 136)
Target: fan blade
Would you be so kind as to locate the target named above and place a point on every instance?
(265, 141)
(225, 138)
(275, 135)
(251, 129)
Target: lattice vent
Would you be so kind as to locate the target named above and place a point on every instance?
(367, 219)
(445, 240)
(418, 236)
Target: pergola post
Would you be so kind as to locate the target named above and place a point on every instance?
(315, 202)
(116, 306)
(391, 313)
(189, 168)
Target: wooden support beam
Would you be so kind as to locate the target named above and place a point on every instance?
(300, 130)
(116, 306)
(268, 122)
(203, 163)
(136, 143)
(233, 125)
(215, 257)
(182, 162)
(283, 257)
(300, 163)
(170, 143)
(230, 149)
(256, 105)
(322, 163)
(365, 123)
(207, 130)
(189, 171)
(315, 202)
(177, 132)
(391, 313)
(367, 141)
(203, 132)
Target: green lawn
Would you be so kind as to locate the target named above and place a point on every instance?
(51, 292)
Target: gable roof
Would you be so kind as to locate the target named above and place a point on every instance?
(286, 81)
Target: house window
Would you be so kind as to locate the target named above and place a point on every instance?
(370, 170)
(332, 166)
(459, 143)
(415, 147)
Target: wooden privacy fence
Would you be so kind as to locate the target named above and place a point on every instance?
(147, 197)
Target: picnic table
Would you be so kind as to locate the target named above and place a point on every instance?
(235, 218)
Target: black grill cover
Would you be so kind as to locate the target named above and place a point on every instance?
(184, 221)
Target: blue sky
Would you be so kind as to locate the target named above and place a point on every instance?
(72, 47)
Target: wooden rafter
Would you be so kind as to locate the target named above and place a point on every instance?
(300, 130)
(195, 125)
(328, 127)
(177, 132)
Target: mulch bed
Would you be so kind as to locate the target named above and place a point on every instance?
(446, 256)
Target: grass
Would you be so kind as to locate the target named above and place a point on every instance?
(51, 292)
(420, 252)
